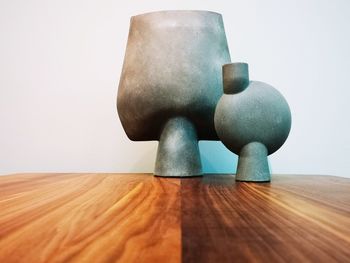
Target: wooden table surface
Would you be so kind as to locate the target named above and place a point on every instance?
(141, 218)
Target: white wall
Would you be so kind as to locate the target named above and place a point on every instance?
(60, 63)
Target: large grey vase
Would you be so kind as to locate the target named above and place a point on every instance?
(170, 84)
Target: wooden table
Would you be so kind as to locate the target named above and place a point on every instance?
(141, 218)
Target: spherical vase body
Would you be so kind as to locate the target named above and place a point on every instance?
(170, 84)
(253, 120)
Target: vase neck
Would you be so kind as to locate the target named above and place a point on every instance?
(235, 77)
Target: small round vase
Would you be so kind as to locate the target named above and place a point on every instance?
(253, 120)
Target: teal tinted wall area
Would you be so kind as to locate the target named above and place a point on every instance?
(216, 158)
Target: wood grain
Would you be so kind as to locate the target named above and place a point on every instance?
(141, 218)
(292, 219)
(89, 218)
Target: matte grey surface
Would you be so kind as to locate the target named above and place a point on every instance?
(178, 151)
(172, 68)
(252, 163)
(241, 77)
(256, 112)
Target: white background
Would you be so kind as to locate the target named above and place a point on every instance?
(60, 63)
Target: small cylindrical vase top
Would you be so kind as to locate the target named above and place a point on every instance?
(235, 76)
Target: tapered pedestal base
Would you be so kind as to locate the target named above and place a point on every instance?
(252, 164)
(178, 151)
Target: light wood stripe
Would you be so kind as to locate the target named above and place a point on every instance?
(92, 218)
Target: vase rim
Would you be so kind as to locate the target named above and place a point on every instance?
(234, 64)
(179, 11)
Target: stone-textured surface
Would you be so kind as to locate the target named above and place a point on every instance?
(240, 80)
(250, 111)
(252, 163)
(172, 68)
(178, 151)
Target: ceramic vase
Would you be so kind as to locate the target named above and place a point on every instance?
(253, 120)
(170, 84)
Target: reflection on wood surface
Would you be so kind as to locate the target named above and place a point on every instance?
(141, 218)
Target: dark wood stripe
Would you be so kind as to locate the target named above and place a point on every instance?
(292, 219)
